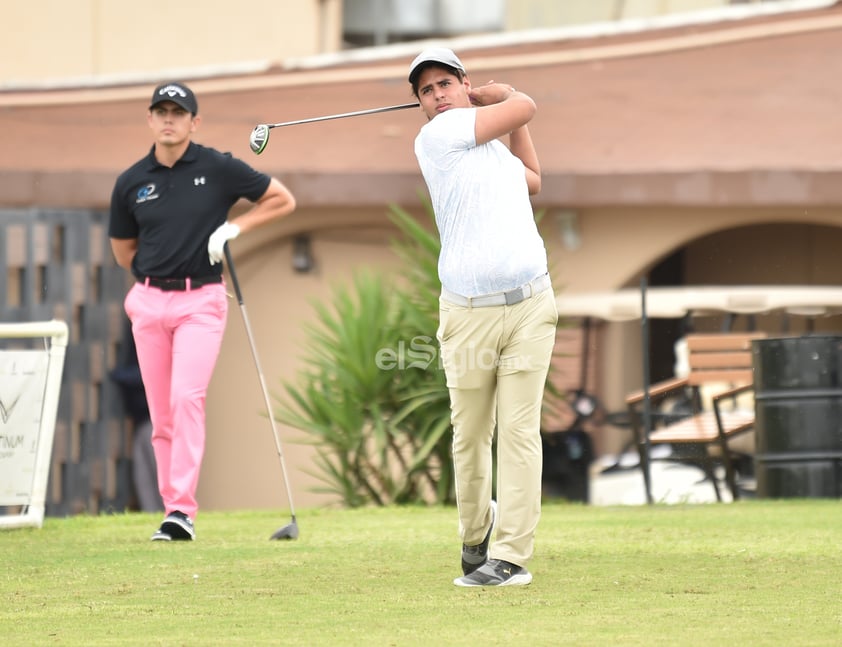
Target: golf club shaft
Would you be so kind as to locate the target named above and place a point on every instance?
(239, 294)
(358, 113)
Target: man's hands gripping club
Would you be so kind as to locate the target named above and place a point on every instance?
(490, 93)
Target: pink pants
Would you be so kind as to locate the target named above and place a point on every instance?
(178, 336)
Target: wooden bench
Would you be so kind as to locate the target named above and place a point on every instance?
(722, 359)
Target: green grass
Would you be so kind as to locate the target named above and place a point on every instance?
(750, 573)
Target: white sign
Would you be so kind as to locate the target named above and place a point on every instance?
(23, 380)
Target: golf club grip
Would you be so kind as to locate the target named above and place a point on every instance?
(233, 273)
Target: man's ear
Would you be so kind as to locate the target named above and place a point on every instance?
(195, 123)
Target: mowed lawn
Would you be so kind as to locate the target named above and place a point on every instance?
(747, 573)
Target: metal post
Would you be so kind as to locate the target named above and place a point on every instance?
(647, 404)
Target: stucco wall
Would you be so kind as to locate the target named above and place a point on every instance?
(241, 467)
(61, 41)
(721, 246)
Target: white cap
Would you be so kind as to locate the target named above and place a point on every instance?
(434, 55)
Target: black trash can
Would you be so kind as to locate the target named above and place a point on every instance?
(567, 459)
(798, 410)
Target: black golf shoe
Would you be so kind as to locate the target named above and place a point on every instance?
(178, 526)
(475, 556)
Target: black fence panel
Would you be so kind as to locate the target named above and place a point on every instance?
(58, 265)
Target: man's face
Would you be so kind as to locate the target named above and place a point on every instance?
(440, 90)
(170, 123)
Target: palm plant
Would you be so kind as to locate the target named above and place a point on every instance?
(372, 396)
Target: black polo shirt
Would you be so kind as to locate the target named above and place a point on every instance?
(173, 211)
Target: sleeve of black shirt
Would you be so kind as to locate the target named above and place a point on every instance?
(121, 223)
(245, 181)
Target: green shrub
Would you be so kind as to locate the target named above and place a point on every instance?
(372, 397)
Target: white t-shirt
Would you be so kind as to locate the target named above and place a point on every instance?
(489, 240)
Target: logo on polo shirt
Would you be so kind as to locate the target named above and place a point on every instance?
(146, 193)
(198, 180)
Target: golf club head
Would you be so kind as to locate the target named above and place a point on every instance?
(259, 138)
(289, 531)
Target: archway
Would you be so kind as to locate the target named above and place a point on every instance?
(765, 254)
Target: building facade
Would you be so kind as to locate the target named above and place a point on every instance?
(694, 152)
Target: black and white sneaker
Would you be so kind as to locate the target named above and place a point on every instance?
(160, 535)
(178, 526)
(475, 556)
(496, 572)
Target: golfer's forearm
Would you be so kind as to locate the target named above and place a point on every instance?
(520, 143)
(277, 202)
(124, 250)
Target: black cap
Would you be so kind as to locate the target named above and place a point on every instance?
(178, 93)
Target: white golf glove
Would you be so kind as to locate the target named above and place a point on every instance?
(216, 243)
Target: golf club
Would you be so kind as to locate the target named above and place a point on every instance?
(260, 135)
(289, 531)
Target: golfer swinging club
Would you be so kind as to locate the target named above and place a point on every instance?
(497, 309)
(169, 227)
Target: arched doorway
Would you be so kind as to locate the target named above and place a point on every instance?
(767, 254)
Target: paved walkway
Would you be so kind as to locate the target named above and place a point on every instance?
(671, 483)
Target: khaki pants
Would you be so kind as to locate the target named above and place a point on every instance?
(496, 361)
